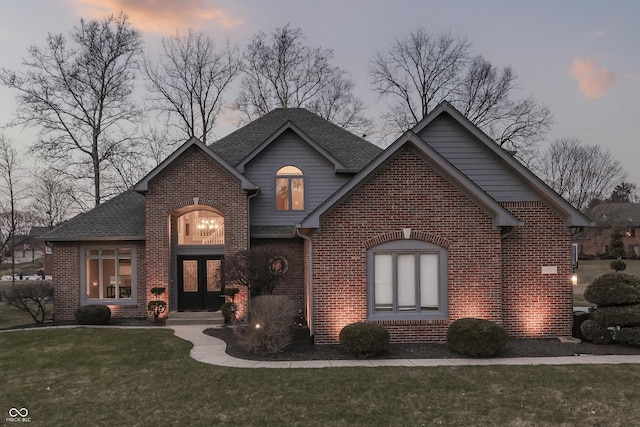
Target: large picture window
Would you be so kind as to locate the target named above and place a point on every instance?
(201, 227)
(109, 274)
(407, 279)
(289, 189)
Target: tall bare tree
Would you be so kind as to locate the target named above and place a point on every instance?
(77, 91)
(10, 176)
(52, 198)
(281, 71)
(579, 173)
(190, 80)
(421, 70)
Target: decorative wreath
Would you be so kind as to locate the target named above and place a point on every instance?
(278, 265)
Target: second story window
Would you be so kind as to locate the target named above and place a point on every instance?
(289, 189)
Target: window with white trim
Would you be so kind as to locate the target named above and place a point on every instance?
(407, 279)
(109, 274)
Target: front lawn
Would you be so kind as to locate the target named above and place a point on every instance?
(145, 377)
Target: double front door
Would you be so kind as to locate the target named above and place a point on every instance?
(200, 283)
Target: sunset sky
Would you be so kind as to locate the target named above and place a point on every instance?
(580, 57)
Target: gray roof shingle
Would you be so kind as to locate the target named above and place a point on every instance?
(120, 218)
(352, 151)
(615, 214)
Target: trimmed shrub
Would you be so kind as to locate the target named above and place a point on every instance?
(630, 336)
(593, 331)
(229, 310)
(477, 337)
(618, 265)
(93, 315)
(270, 328)
(578, 320)
(626, 315)
(613, 289)
(364, 339)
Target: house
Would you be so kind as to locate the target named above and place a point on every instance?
(594, 240)
(441, 225)
(28, 247)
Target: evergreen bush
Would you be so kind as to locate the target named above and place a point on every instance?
(363, 339)
(93, 315)
(594, 331)
(623, 316)
(630, 336)
(613, 289)
(477, 337)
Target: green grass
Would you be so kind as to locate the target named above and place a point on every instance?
(146, 377)
(589, 270)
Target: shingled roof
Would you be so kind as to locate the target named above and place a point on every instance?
(352, 151)
(615, 214)
(120, 218)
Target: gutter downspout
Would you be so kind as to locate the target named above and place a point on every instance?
(251, 196)
(310, 314)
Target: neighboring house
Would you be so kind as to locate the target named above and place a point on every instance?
(594, 240)
(28, 248)
(441, 225)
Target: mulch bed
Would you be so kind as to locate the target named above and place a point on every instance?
(301, 348)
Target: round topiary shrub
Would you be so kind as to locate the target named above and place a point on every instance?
(625, 315)
(618, 265)
(593, 331)
(477, 337)
(93, 315)
(613, 289)
(630, 336)
(364, 339)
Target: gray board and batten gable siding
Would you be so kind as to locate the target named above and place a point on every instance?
(327, 154)
(461, 149)
(350, 150)
(320, 178)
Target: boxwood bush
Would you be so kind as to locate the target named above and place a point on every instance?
(477, 337)
(363, 339)
(613, 289)
(594, 331)
(625, 315)
(93, 315)
(630, 336)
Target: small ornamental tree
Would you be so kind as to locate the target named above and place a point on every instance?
(32, 298)
(157, 306)
(258, 269)
(616, 245)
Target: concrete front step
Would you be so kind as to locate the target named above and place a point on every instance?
(209, 318)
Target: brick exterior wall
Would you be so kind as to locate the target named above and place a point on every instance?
(405, 193)
(66, 281)
(536, 304)
(408, 193)
(193, 181)
(292, 250)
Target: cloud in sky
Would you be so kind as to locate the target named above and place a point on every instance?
(162, 16)
(593, 79)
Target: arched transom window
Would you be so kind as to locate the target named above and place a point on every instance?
(289, 189)
(201, 227)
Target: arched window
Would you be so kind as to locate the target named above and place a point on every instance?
(289, 189)
(201, 227)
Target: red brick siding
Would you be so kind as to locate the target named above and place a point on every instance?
(405, 193)
(292, 250)
(536, 304)
(66, 281)
(193, 175)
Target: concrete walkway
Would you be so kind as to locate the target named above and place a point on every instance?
(211, 350)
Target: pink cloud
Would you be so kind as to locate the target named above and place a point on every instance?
(593, 80)
(162, 16)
